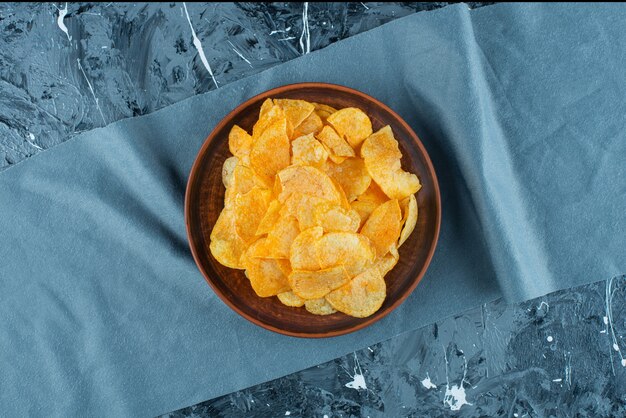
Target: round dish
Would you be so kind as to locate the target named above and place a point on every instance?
(204, 200)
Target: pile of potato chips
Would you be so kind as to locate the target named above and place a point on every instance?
(316, 207)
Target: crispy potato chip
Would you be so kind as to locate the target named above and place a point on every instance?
(317, 284)
(311, 125)
(409, 209)
(319, 307)
(302, 254)
(353, 251)
(250, 209)
(337, 146)
(268, 115)
(324, 111)
(270, 218)
(306, 150)
(362, 296)
(335, 159)
(343, 200)
(383, 226)
(388, 261)
(382, 159)
(271, 151)
(334, 218)
(351, 175)
(302, 207)
(352, 124)
(240, 144)
(226, 245)
(296, 111)
(290, 299)
(307, 180)
(280, 238)
(373, 194)
(266, 277)
(364, 209)
(228, 171)
(284, 266)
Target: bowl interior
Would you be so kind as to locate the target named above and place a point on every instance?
(205, 199)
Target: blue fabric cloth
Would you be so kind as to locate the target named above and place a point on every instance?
(521, 107)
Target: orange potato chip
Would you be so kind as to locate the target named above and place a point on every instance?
(302, 207)
(364, 209)
(280, 238)
(306, 150)
(324, 111)
(226, 245)
(317, 284)
(307, 180)
(228, 171)
(271, 151)
(240, 144)
(296, 111)
(373, 194)
(388, 261)
(270, 218)
(353, 251)
(268, 115)
(266, 277)
(383, 226)
(382, 159)
(290, 299)
(319, 307)
(337, 146)
(311, 125)
(409, 210)
(250, 208)
(334, 218)
(352, 124)
(302, 254)
(351, 175)
(362, 296)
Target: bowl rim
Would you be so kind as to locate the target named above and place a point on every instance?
(279, 90)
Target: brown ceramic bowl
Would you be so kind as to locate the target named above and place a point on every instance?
(204, 201)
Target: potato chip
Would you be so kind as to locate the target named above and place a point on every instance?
(271, 216)
(319, 307)
(284, 265)
(382, 159)
(302, 207)
(250, 208)
(290, 299)
(386, 263)
(228, 171)
(311, 125)
(373, 194)
(334, 218)
(324, 111)
(336, 145)
(302, 254)
(226, 245)
(296, 111)
(364, 209)
(265, 276)
(351, 175)
(268, 115)
(362, 296)
(317, 284)
(409, 209)
(307, 180)
(240, 144)
(383, 226)
(280, 238)
(306, 150)
(352, 124)
(271, 151)
(353, 251)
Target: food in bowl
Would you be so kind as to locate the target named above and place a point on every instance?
(315, 208)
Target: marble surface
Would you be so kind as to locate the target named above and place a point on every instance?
(70, 67)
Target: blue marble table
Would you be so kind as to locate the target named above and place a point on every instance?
(70, 67)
